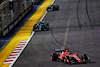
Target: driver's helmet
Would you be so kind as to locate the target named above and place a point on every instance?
(40, 22)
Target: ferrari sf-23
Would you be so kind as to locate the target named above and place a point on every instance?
(63, 55)
(41, 26)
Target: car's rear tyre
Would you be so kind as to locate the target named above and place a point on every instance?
(43, 27)
(54, 57)
(47, 26)
(57, 7)
(35, 27)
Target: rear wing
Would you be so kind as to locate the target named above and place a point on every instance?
(41, 21)
(59, 50)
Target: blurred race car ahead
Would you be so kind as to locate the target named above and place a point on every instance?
(41, 26)
(53, 7)
(63, 55)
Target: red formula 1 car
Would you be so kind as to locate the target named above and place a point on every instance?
(63, 55)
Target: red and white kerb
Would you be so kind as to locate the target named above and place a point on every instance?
(16, 53)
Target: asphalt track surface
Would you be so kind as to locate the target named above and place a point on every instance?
(75, 27)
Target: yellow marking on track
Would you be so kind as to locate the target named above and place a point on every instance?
(24, 33)
(5, 65)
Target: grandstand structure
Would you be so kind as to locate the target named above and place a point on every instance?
(12, 11)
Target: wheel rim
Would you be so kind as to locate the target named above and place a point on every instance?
(65, 60)
(51, 58)
(72, 61)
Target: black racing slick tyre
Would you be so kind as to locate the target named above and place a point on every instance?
(72, 62)
(43, 28)
(54, 57)
(85, 58)
(47, 26)
(35, 27)
(57, 7)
